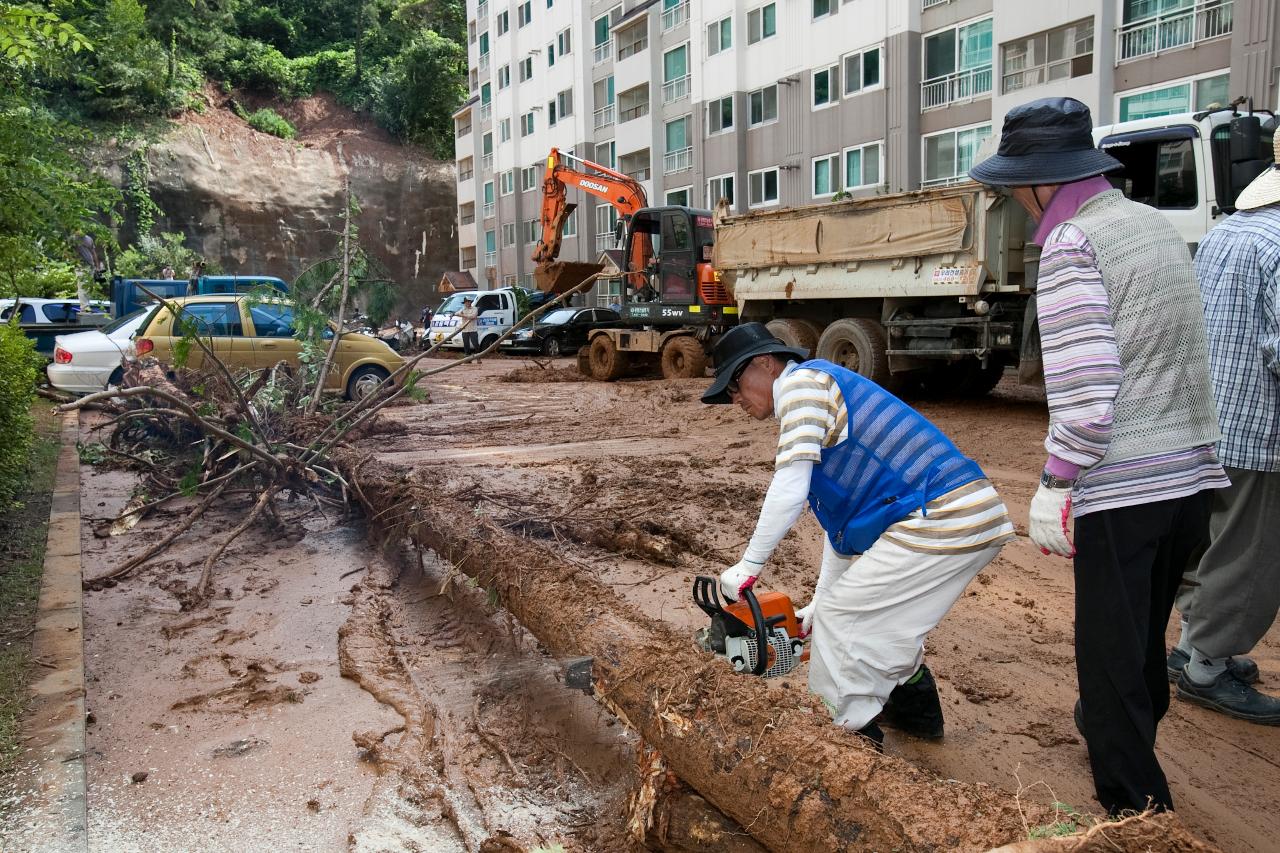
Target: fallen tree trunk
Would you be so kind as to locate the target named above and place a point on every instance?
(780, 769)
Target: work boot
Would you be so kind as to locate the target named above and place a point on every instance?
(873, 733)
(914, 706)
(1227, 694)
(1242, 668)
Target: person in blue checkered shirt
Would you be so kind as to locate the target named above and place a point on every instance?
(1230, 599)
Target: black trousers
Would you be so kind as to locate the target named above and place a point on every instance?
(1128, 565)
(470, 343)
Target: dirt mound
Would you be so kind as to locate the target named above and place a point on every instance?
(536, 374)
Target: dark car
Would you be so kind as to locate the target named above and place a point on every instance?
(563, 330)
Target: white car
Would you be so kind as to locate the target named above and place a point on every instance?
(33, 310)
(86, 362)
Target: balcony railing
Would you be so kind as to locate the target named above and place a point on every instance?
(462, 130)
(675, 16)
(466, 174)
(486, 111)
(927, 3)
(633, 112)
(674, 90)
(641, 174)
(944, 182)
(487, 210)
(680, 160)
(955, 88)
(490, 259)
(468, 219)
(605, 240)
(482, 11)
(631, 48)
(602, 52)
(1160, 32)
(486, 163)
(604, 116)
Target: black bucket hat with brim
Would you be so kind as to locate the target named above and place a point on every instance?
(1049, 141)
(737, 347)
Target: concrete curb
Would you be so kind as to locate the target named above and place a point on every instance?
(54, 727)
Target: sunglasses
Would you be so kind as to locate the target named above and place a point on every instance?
(732, 387)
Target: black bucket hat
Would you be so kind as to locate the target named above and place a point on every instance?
(737, 347)
(1049, 141)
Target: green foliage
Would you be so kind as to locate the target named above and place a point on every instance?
(20, 365)
(30, 37)
(151, 254)
(421, 87)
(269, 121)
(133, 77)
(137, 192)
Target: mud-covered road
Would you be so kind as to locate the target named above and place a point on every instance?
(562, 460)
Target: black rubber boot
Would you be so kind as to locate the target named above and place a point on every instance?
(914, 707)
(873, 733)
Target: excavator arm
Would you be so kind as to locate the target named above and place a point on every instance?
(564, 170)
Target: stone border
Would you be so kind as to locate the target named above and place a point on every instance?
(53, 728)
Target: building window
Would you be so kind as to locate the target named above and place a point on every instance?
(526, 68)
(488, 199)
(509, 234)
(504, 23)
(679, 198)
(948, 155)
(551, 114)
(636, 164)
(509, 280)
(764, 105)
(528, 178)
(570, 226)
(679, 153)
(484, 44)
(551, 55)
(564, 103)
(524, 12)
(526, 124)
(862, 71)
(1177, 97)
(504, 129)
(602, 39)
(490, 249)
(486, 146)
(504, 77)
(720, 115)
(609, 294)
(1157, 26)
(762, 187)
(1045, 57)
(675, 74)
(633, 40)
(532, 230)
(606, 222)
(862, 166)
(720, 36)
(826, 85)
(563, 42)
(762, 23)
(957, 65)
(606, 154)
(507, 182)
(826, 175)
(719, 187)
(605, 111)
(822, 8)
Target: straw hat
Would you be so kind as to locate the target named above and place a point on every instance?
(1265, 188)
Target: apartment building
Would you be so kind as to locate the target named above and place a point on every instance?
(797, 102)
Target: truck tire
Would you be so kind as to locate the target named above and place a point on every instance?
(978, 381)
(795, 332)
(607, 362)
(858, 344)
(683, 358)
(584, 360)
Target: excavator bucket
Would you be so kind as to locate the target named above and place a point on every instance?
(559, 276)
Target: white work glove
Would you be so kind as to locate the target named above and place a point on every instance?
(741, 575)
(1051, 521)
(805, 614)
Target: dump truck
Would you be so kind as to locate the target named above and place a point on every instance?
(932, 288)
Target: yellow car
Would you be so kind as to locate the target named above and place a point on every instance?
(257, 336)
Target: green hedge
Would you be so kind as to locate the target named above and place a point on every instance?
(269, 121)
(20, 367)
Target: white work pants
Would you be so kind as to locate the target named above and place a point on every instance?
(869, 629)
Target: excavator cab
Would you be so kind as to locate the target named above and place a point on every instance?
(669, 276)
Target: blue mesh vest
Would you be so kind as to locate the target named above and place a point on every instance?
(893, 463)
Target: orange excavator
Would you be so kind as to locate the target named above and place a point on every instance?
(673, 305)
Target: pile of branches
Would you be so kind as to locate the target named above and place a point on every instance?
(211, 433)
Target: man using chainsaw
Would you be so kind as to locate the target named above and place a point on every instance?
(885, 484)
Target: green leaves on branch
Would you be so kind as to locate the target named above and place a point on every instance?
(20, 365)
(269, 121)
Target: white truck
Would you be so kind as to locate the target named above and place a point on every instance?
(934, 290)
(498, 312)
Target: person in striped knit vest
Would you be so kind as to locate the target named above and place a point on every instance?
(1132, 428)
(885, 484)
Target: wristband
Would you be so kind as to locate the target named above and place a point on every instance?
(1053, 481)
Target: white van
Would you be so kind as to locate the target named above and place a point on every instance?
(498, 312)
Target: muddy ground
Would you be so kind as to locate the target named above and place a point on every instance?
(564, 461)
(335, 697)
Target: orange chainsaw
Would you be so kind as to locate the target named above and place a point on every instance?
(758, 634)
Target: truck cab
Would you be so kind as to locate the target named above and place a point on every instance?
(498, 312)
(1192, 166)
(130, 294)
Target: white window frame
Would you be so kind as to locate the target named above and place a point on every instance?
(570, 226)
(714, 107)
(564, 42)
(504, 77)
(777, 106)
(955, 72)
(844, 71)
(526, 124)
(844, 164)
(688, 190)
(551, 55)
(508, 235)
(678, 87)
(760, 9)
(833, 87)
(1142, 90)
(526, 69)
(1043, 67)
(719, 25)
(507, 182)
(713, 198)
(528, 178)
(504, 130)
(524, 13)
(777, 180)
(503, 23)
(533, 231)
(925, 182)
(564, 103)
(833, 6)
(613, 153)
(835, 161)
